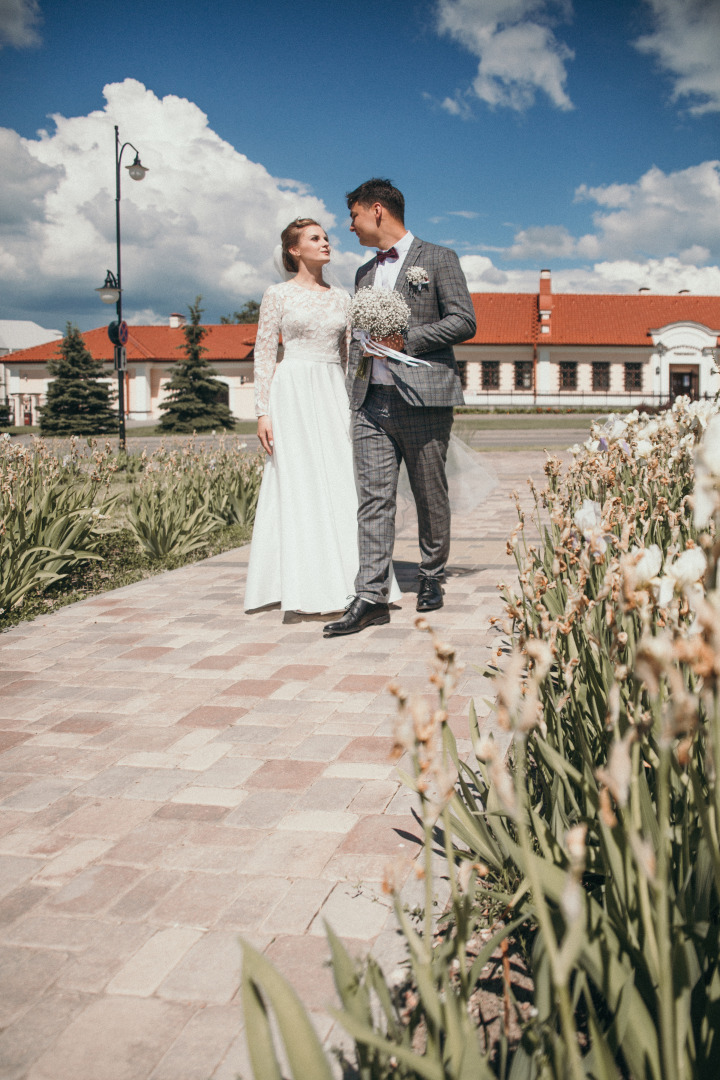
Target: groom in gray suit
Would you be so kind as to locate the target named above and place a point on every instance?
(403, 412)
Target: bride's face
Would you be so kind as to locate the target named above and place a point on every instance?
(313, 246)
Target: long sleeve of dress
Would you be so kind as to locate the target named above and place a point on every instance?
(347, 338)
(266, 348)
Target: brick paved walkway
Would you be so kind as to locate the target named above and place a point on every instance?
(175, 773)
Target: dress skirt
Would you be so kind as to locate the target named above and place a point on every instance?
(304, 550)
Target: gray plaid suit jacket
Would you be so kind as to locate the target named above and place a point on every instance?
(442, 315)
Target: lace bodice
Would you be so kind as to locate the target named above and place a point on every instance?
(314, 325)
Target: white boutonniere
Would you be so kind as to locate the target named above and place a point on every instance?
(417, 278)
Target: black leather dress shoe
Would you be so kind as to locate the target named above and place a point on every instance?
(360, 614)
(430, 595)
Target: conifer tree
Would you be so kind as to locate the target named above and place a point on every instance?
(192, 403)
(78, 400)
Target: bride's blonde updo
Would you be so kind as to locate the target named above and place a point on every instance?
(289, 238)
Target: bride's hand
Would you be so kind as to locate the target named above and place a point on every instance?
(265, 433)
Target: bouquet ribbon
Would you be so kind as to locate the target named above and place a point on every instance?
(374, 348)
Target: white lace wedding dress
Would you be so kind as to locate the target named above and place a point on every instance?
(304, 551)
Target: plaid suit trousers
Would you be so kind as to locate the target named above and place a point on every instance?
(387, 430)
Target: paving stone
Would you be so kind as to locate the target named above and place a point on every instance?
(352, 912)
(212, 716)
(330, 821)
(383, 834)
(116, 1038)
(201, 1045)
(19, 902)
(143, 973)
(200, 899)
(25, 1040)
(73, 858)
(148, 892)
(303, 961)
(285, 775)
(89, 971)
(191, 812)
(94, 889)
(56, 932)
(16, 871)
(111, 818)
(251, 688)
(290, 854)
(25, 974)
(297, 908)
(210, 971)
(39, 794)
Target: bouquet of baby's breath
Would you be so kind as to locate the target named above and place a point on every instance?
(379, 312)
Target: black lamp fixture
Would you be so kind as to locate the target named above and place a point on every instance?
(110, 291)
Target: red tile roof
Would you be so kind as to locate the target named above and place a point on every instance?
(234, 341)
(586, 318)
(502, 319)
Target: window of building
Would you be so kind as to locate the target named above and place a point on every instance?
(600, 376)
(491, 374)
(633, 376)
(462, 368)
(568, 375)
(523, 375)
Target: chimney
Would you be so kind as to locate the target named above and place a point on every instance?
(545, 301)
(644, 289)
(683, 292)
(176, 320)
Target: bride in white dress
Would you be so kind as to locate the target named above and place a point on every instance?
(304, 552)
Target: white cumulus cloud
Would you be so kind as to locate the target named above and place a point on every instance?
(517, 49)
(205, 220)
(685, 40)
(663, 276)
(19, 20)
(661, 215)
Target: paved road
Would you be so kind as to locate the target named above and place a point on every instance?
(486, 441)
(175, 773)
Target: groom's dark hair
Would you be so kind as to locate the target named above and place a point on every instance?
(379, 191)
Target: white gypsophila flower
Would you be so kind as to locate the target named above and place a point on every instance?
(380, 312)
(588, 517)
(689, 567)
(417, 276)
(648, 565)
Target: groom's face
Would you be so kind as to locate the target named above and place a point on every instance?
(365, 223)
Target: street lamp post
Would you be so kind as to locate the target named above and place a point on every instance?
(111, 291)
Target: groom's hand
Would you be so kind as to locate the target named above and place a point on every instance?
(265, 433)
(394, 341)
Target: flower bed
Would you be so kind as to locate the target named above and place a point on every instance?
(78, 518)
(594, 845)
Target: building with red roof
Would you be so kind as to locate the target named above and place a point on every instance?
(571, 348)
(529, 349)
(151, 352)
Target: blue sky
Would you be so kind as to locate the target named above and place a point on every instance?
(581, 135)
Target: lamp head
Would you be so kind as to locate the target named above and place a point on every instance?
(137, 170)
(109, 291)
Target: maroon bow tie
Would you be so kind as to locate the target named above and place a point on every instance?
(391, 253)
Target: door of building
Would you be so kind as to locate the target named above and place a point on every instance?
(685, 379)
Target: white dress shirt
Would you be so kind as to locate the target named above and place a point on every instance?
(386, 275)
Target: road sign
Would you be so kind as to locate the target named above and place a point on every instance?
(120, 358)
